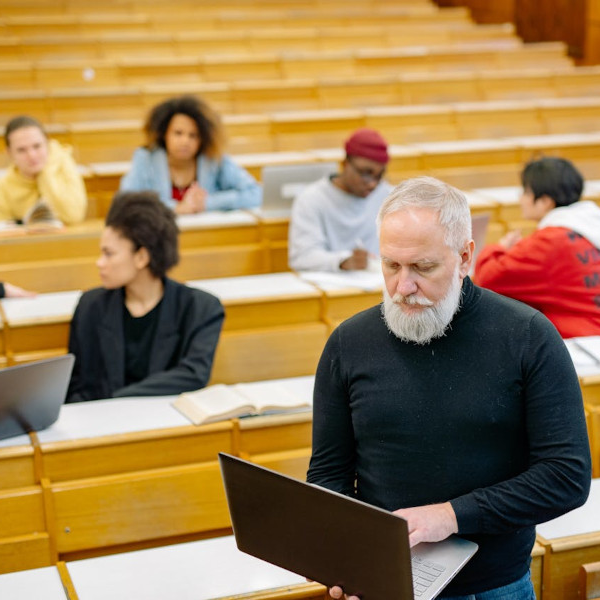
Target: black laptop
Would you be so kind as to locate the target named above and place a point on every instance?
(333, 539)
(32, 394)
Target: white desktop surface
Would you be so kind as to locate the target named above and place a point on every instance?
(585, 519)
(35, 583)
(591, 189)
(476, 199)
(203, 570)
(114, 416)
(298, 386)
(503, 195)
(585, 354)
(557, 139)
(215, 218)
(255, 286)
(42, 306)
(368, 280)
(17, 440)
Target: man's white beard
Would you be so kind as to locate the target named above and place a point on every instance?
(429, 322)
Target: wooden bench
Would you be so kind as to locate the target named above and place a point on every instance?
(560, 109)
(589, 581)
(172, 41)
(48, 74)
(570, 541)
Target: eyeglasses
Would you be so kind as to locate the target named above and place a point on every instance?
(367, 175)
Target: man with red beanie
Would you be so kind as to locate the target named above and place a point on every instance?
(332, 225)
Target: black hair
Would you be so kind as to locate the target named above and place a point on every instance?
(142, 218)
(554, 177)
(207, 120)
(19, 123)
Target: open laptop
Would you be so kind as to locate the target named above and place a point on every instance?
(334, 539)
(282, 183)
(32, 394)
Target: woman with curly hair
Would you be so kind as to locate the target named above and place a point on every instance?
(141, 333)
(183, 161)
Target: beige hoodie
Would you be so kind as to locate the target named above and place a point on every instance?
(60, 184)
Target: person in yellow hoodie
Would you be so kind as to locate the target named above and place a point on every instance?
(41, 169)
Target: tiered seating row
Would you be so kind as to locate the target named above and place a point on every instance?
(26, 18)
(47, 74)
(109, 45)
(102, 140)
(466, 164)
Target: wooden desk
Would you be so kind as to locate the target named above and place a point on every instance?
(273, 327)
(203, 570)
(275, 315)
(537, 557)
(38, 327)
(212, 244)
(123, 473)
(593, 426)
(570, 541)
(24, 541)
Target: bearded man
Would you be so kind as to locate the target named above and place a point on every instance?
(452, 406)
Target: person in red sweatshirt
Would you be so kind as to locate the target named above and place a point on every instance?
(557, 268)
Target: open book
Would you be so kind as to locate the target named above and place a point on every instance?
(40, 217)
(220, 402)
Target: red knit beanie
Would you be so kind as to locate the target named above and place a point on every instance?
(368, 144)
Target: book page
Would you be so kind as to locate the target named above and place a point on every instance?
(269, 396)
(213, 403)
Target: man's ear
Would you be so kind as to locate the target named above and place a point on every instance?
(466, 259)
(547, 202)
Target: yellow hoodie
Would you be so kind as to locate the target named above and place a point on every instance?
(60, 184)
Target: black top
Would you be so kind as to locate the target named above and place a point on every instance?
(180, 353)
(2, 290)
(488, 417)
(139, 335)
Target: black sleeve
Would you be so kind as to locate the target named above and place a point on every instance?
(332, 464)
(559, 473)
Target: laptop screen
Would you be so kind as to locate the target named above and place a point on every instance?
(32, 394)
(328, 537)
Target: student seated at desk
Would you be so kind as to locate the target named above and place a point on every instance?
(8, 290)
(41, 169)
(556, 268)
(183, 161)
(142, 334)
(332, 226)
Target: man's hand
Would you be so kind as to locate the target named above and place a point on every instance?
(337, 592)
(431, 523)
(509, 239)
(13, 291)
(358, 261)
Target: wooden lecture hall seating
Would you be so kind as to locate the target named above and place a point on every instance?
(120, 487)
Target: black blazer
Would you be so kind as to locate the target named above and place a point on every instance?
(182, 352)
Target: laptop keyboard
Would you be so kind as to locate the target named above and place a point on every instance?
(424, 573)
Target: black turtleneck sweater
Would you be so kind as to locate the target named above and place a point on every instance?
(488, 417)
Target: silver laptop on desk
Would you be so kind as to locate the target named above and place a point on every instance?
(334, 539)
(32, 394)
(282, 183)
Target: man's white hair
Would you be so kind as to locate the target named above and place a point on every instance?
(428, 192)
